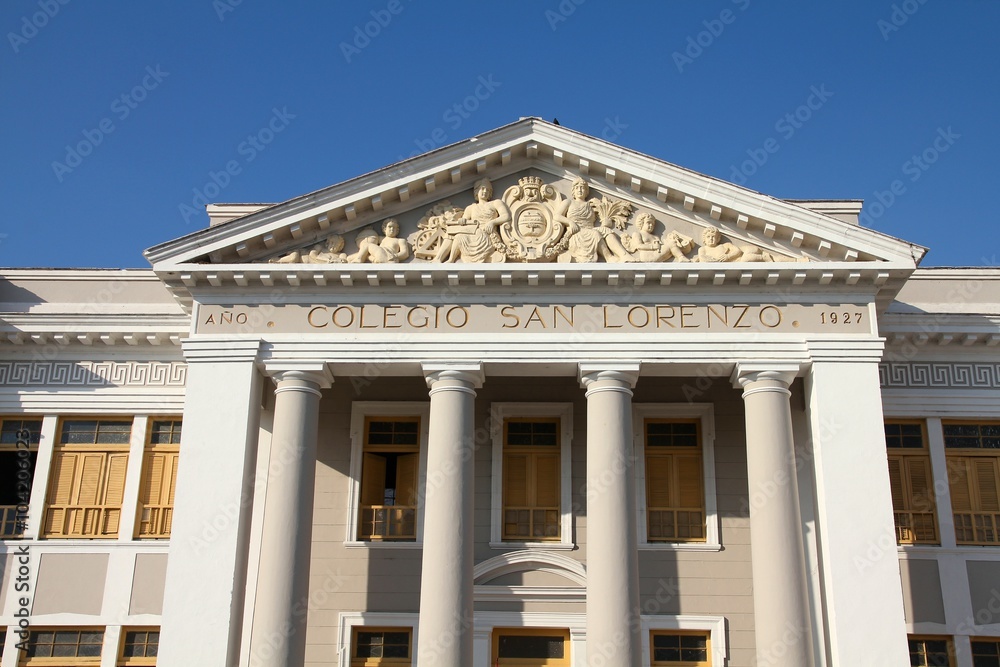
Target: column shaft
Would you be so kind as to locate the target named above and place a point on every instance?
(862, 590)
(282, 601)
(203, 597)
(446, 605)
(613, 638)
(781, 610)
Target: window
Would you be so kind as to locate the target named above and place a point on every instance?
(675, 494)
(931, 652)
(65, 647)
(389, 479)
(531, 475)
(911, 482)
(674, 648)
(88, 479)
(972, 451)
(531, 647)
(371, 647)
(985, 652)
(139, 647)
(159, 475)
(18, 454)
(531, 505)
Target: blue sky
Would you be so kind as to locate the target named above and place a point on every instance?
(903, 97)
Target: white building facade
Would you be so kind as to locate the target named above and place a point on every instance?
(530, 399)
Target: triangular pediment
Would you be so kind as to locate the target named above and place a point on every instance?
(637, 217)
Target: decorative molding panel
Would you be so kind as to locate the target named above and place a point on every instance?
(933, 375)
(93, 373)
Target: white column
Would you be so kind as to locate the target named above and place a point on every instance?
(780, 604)
(206, 566)
(613, 636)
(446, 621)
(864, 599)
(281, 604)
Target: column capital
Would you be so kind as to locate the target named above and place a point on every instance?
(317, 372)
(748, 372)
(467, 373)
(215, 350)
(595, 371)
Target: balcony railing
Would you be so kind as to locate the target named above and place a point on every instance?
(916, 528)
(10, 525)
(531, 523)
(82, 521)
(977, 528)
(155, 521)
(675, 525)
(388, 522)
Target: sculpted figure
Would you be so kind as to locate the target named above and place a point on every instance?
(647, 247)
(390, 249)
(588, 242)
(714, 249)
(325, 252)
(470, 240)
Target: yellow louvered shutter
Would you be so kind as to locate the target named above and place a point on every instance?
(114, 492)
(896, 483)
(152, 479)
(921, 484)
(961, 491)
(172, 471)
(689, 482)
(658, 481)
(986, 484)
(547, 480)
(60, 492)
(406, 480)
(91, 472)
(515, 480)
(373, 480)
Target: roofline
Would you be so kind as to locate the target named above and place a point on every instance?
(511, 134)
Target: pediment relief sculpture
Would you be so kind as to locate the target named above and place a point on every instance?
(532, 222)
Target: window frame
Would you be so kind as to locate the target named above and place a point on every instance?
(361, 411)
(499, 414)
(65, 661)
(967, 454)
(59, 447)
(9, 513)
(381, 662)
(121, 660)
(531, 632)
(350, 620)
(148, 449)
(981, 640)
(902, 454)
(681, 633)
(714, 626)
(936, 638)
(704, 413)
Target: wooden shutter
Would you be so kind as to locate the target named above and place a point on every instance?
(114, 492)
(373, 480)
(986, 484)
(689, 481)
(547, 480)
(152, 479)
(961, 491)
(406, 480)
(918, 474)
(91, 469)
(60, 492)
(896, 483)
(658, 473)
(515, 480)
